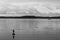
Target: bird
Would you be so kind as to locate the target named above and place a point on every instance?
(13, 34)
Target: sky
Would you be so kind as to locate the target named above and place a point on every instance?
(19, 1)
(31, 0)
(48, 6)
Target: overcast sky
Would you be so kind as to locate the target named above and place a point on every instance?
(31, 0)
(52, 5)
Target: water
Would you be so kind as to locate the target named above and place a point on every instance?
(24, 29)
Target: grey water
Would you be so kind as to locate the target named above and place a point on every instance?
(26, 29)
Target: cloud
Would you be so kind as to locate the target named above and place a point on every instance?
(42, 7)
